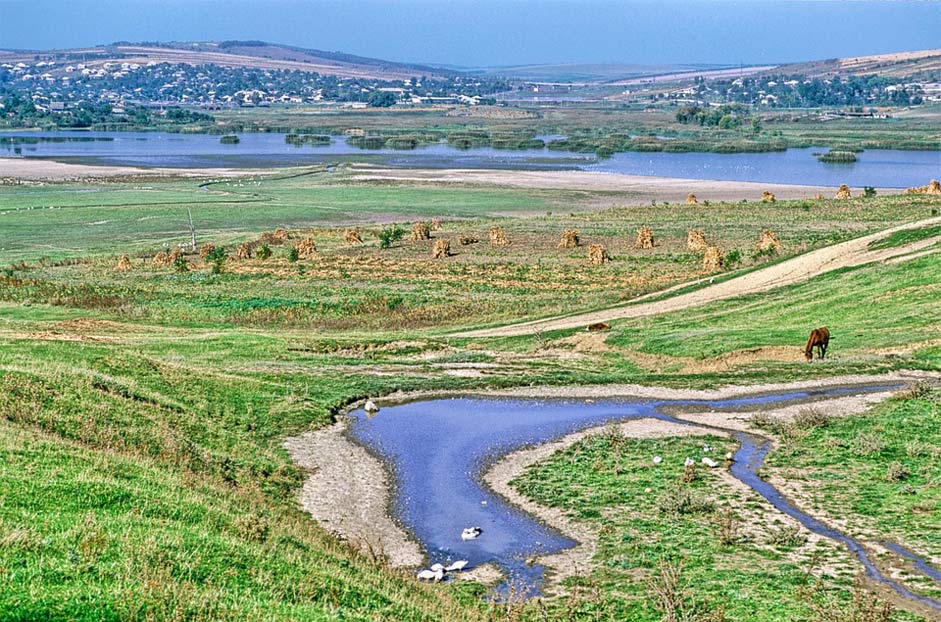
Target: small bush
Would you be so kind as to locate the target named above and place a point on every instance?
(867, 444)
(293, 254)
(869, 192)
(264, 252)
(215, 254)
(810, 418)
(682, 500)
(252, 527)
(390, 235)
(733, 258)
(728, 527)
(786, 536)
(897, 472)
(180, 264)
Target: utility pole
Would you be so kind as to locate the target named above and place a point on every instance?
(192, 229)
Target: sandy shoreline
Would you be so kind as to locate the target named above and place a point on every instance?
(633, 189)
(348, 490)
(39, 169)
(638, 189)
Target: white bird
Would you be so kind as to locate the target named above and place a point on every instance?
(707, 448)
(657, 459)
(709, 462)
(689, 462)
(429, 575)
(457, 566)
(371, 407)
(729, 456)
(437, 567)
(471, 533)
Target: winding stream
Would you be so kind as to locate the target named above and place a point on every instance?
(438, 451)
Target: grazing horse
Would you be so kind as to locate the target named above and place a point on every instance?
(820, 339)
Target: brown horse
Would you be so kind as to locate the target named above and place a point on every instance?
(820, 339)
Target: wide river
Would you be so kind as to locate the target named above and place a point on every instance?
(880, 167)
(438, 451)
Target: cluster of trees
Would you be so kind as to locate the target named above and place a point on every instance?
(723, 117)
(798, 91)
(19, 110)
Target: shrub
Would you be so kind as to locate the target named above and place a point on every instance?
(733, 258)
(869, 192)
(786, 536)
(215, 254)
(264, 252)
(809, 418)
(866, 444)
(180, 264)
(682, 500)
(897, 472)
(293, 254)
(252, 527)
(390, 235)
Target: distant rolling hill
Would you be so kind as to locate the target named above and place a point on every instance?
(898, 65)
(233, 54)
(588, 72)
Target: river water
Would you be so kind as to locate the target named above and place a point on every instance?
(880, 168)
(438, 451)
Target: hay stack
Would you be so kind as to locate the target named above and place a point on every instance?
(352, 236)
(644, 238)
(275, 238)
(467, 240)
(768, 197)
(712, 259)
(597, 254)
(124, 264)
(306, 248)
(498, 237)
(767, 242)
(244, 251)
(441, 249)
(696, 241)
(933, 187)
(160, 259)
(174, 255)
(844, 192)
(206, 249)
(420, 231)
(569, 239)
(691, 199)
(436, 224)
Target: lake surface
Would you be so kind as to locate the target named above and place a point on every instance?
(878, 167)
(438, 451)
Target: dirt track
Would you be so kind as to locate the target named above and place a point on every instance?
(795, 270)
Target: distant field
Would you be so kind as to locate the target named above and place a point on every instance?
(142, 412)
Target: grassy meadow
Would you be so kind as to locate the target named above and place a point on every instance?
(142, 411)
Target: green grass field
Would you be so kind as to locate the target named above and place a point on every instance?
(142, 412)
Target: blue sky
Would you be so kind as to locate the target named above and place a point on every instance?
(498, 32)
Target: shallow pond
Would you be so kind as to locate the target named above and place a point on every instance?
(438, 451)
(880, 168)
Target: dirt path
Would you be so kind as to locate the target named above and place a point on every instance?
(795, 270)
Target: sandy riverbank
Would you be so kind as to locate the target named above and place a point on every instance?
(636, 189)
(36, 169)
(348, 490)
